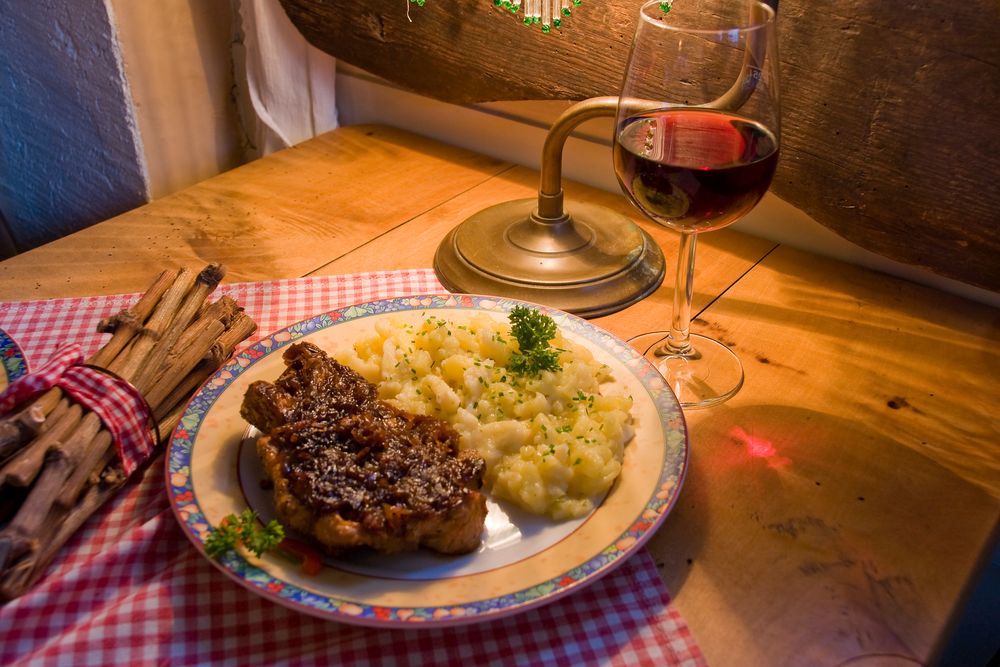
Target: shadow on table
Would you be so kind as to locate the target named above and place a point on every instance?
(819, 534)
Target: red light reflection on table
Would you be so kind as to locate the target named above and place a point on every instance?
(759, 448)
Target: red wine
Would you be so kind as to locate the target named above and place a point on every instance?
(694, 170)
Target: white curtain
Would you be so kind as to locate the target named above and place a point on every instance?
(290, 83)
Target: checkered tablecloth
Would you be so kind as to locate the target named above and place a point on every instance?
(129, 589)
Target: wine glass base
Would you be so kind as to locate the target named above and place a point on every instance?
(708, 375)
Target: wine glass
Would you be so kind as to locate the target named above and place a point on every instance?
(695, 149)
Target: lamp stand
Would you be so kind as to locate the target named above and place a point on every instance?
(587, 260)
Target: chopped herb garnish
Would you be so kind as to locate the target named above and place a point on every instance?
(533, 331)
(243, 529)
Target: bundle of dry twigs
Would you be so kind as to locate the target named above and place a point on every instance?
(58, 463)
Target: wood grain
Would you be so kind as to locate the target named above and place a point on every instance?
(834, 512)
(281, 217)
(830, 501)
(891, 134)
(722, 257)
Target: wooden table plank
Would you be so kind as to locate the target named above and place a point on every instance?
(835, 510)
(839, 504)
(723, 257)
(279, 217)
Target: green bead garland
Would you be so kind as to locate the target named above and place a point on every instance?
(563, 11)
(558, 13)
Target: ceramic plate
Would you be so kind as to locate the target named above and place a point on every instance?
(524, 561)
(12, 363)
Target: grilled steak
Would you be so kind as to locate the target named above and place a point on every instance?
(352, 470)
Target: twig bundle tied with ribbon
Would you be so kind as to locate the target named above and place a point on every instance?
(74, 430)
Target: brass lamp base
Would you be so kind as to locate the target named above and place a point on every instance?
(590, 261)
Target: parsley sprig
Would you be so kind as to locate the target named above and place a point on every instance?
(243, 529)
(533, 331)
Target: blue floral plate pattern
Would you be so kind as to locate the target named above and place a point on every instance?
(12, 358)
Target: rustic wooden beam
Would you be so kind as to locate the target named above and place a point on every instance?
(890, 110)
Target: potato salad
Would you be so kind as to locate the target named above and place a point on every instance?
(552, 440)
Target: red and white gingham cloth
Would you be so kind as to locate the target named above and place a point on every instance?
(129, 589)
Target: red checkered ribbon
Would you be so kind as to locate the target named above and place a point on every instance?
(122, 409)
(41, 380)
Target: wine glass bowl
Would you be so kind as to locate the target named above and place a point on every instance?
(695, 148)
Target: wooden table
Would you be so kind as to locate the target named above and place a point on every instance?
(838, 509)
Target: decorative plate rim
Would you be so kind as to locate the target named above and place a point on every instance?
(15, 364)
(189, 514)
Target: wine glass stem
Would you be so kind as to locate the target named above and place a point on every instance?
(679, 340)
